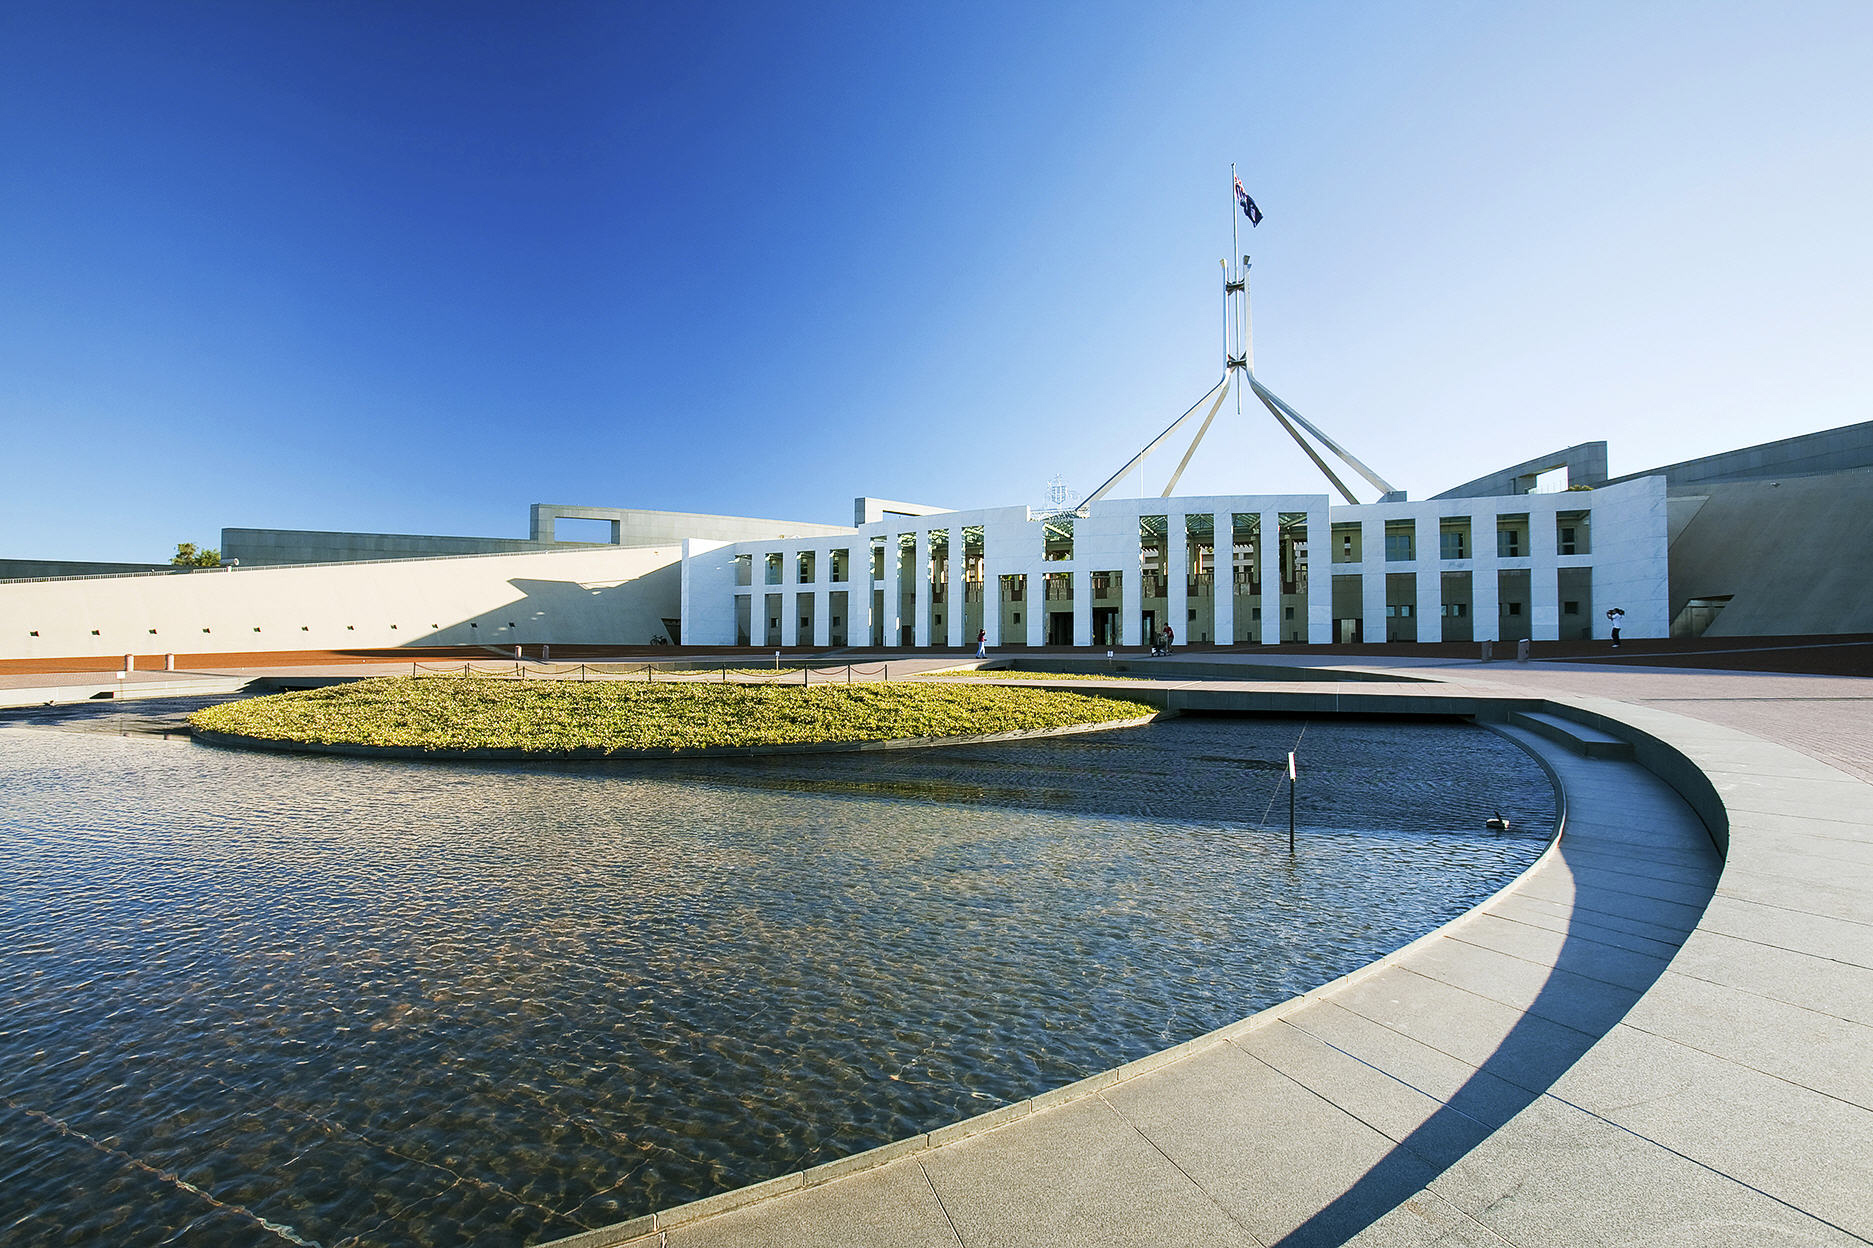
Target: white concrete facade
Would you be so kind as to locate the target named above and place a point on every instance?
(591, 595)
(1221, 570)
(1130, 565)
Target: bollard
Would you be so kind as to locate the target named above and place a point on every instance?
(546, 654)
(1488, 651)
(169, 662)
(1521, 651)
(130, 662)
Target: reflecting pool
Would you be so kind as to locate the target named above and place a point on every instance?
(253, 998)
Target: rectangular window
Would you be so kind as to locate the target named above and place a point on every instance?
(1508, 544)
(1570, 608)
(1287, 613)
(1515, 608)
(1573, 533)
(1398, 547)
(1450, 545)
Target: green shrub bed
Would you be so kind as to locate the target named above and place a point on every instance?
(451, 713)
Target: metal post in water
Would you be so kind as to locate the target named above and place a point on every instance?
(1290, 802)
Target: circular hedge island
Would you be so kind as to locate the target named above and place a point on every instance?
(471, 716)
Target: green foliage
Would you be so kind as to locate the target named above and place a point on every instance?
(474, 712)
(187, 556)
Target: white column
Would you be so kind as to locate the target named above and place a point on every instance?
(1223, 577)
(1082, 608)
(1319, 576)
(1485, 601)
(1268, 552)
(789, 611)
(1036, 602)
(822, 597)
(1132, 595)
(955, 608)
(858, 589)
(1544, 594)
(1372, 579)
(893, 593)
(920, 569)
(1429, 608)
(1177, 577)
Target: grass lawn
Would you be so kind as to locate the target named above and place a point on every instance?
(471, 712)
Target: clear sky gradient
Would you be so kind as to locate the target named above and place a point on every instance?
(410, 267)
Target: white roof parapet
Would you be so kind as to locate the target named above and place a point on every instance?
(867, 510)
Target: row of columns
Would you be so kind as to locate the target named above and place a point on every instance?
(1484, 567)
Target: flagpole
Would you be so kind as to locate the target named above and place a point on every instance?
(1233, 250)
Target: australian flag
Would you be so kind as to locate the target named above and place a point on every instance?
(1249, 209)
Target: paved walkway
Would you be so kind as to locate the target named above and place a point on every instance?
(1643, 1041)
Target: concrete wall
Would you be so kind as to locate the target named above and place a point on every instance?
(1585, 464)
(271, 547)
(1794, 556)
(39, 569)
(603, 595)
(628, 527)
(1831, 450)
(637, 527)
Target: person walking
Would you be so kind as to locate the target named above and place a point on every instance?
(1616, 616)
(982, 643)
(1170, 638)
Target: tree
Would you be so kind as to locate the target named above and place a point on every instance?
(187, 556)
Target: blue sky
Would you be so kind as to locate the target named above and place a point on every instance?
(410, 267)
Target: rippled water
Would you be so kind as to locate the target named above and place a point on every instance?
(253, 998)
